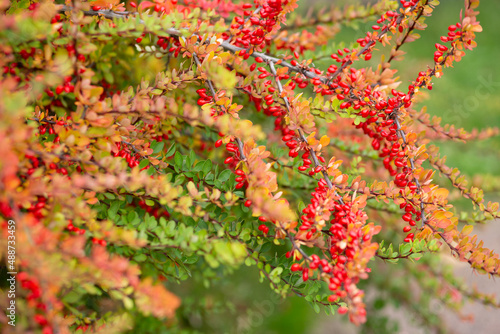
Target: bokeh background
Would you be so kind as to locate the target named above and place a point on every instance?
(467, 95)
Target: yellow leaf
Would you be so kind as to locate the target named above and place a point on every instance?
(324, 141)
(467, 229)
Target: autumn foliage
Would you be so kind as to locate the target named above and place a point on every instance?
(144, 144)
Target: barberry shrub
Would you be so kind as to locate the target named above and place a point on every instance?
(148, 146)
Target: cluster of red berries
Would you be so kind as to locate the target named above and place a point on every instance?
(139, 39)
(240, 179)
(394, 153)
(204, 98)
(384, 132)
(34, 300)
(55, 20)
(25, 54)
(452, 34)
(60, 170)
(175, 48)
(82, 231)
(24, 63)
(12, 69)
(345, 241)
(97, 241)
(288, 135)
(36, 208)
(35, 163)
(66, 87)
(233, 160)
(261, 23)
(171, 44)
(263, 228)
(5, 211)
(379, 124)
(164, 43)
(47, 127)
(124, 152)
(344, 55)
(407, 4)
(162, 137)
(83, 328)
(154, 211)
(73, 228)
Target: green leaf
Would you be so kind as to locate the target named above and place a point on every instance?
(157, 146)
(405, 248)
(316, 307)
(140, 258)
(151, 170)
(199, 166)
(191, 259)
(128, 303)
(276, 271)
(192, 158)
(178, 159)
(143, 163)
(224, 175)
(170, 151)
(109, 196)
(207, 166)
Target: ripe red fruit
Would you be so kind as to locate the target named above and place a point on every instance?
(342, 310)
(248, 203)
(218, 143)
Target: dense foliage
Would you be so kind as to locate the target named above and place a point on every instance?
(154, 143)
